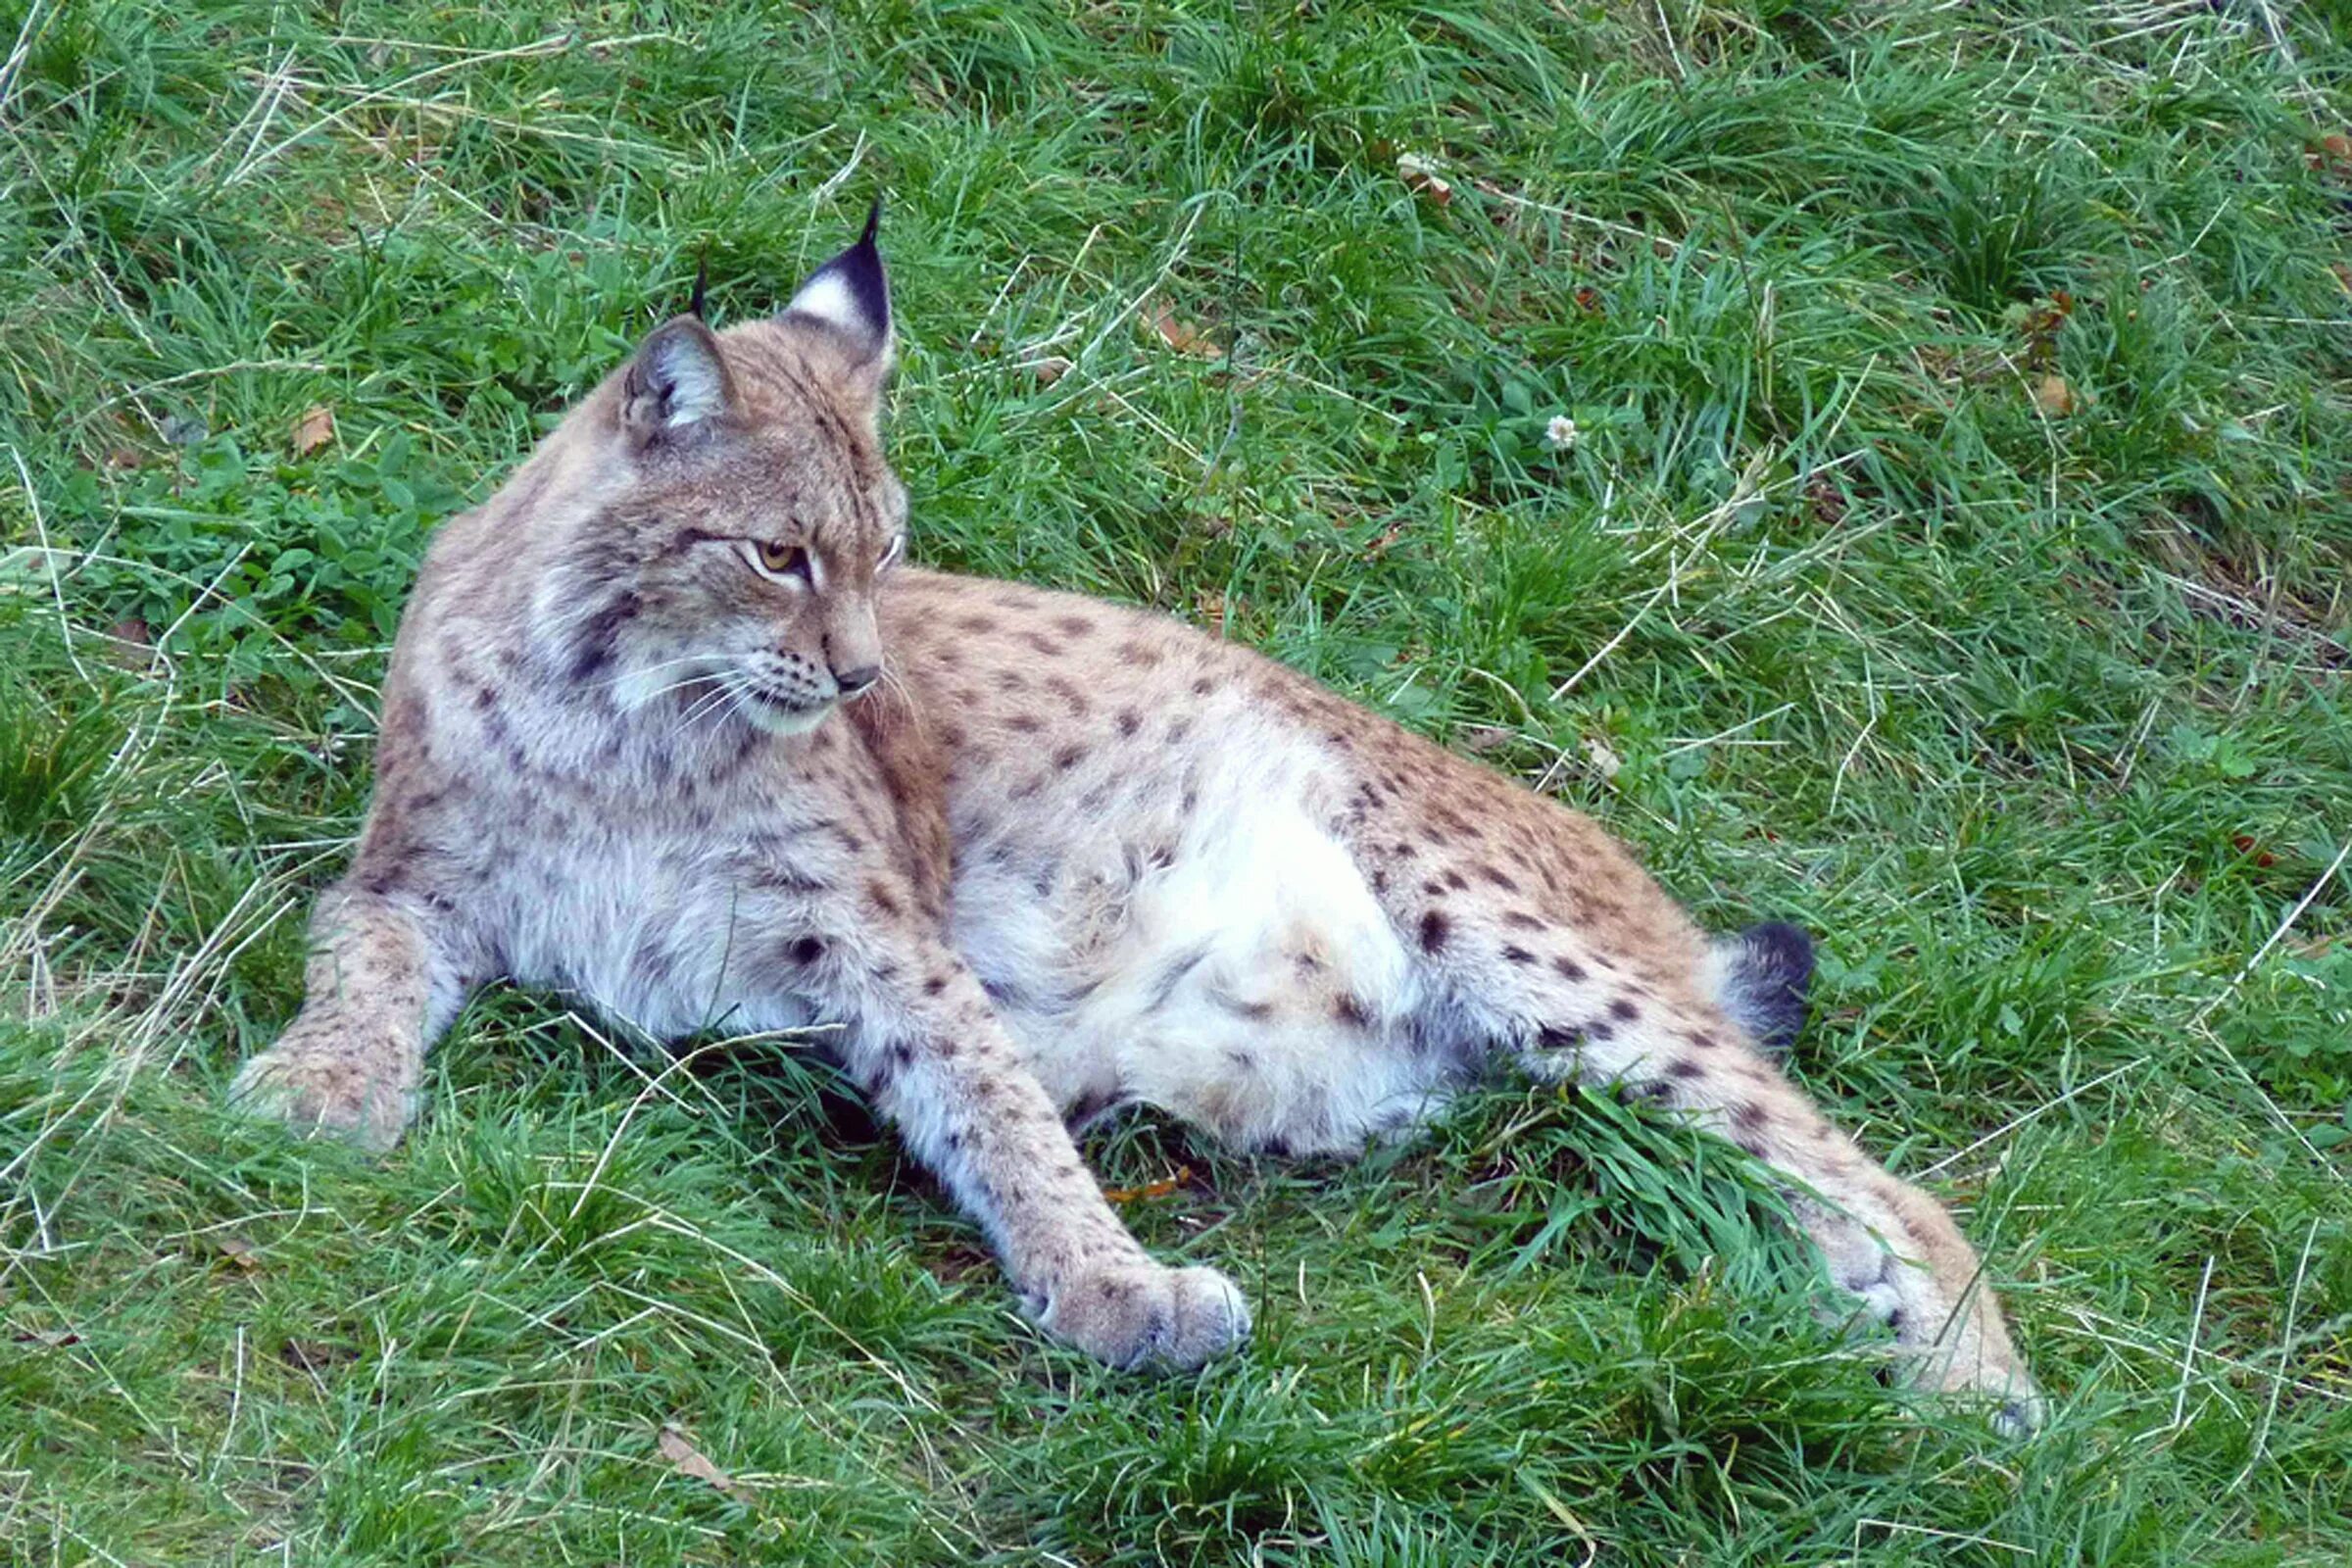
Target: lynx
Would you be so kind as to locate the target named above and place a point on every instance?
(672, 726)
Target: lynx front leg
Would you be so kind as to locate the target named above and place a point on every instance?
(350, 1063)
(947, 1074)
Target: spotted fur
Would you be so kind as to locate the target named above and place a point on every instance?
(1063, 856)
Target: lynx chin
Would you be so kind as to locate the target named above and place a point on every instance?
(672, 726)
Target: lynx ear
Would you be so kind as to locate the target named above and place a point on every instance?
(677, 382)
(850, 294)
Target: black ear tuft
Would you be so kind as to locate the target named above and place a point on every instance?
(701, 287)
(851, 293)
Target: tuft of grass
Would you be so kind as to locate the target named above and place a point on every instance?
(1952, 558)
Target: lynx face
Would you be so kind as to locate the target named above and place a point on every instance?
(734, 562)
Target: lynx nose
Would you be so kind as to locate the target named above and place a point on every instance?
(853, 681)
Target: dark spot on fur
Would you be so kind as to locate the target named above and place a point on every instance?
(1351, 1012)
(1500, 878)
(1521, 921)
(1203, 686)
(881, 899)
(1599, 1029)
(1517, 955)
(1455, 881)
(935, 985)
(1685, 1070)
(1024, 724)
(1178, 729)
(597, 642)
(1139, 653)
(1434, 929)
(977, 623)
(1548, 1039)
(1570, 970)
(1129, 721)
(1069, 757)
(1701, 1039)
(1624, 1010)
(1075, 625)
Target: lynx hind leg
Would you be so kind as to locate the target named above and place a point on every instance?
(1888, 1243)
(1641, 1008)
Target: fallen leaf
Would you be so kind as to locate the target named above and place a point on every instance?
(2246, 845)
(314, 1355)
(1149, 1190)
(48, 1338)
(1604, 762)
(1182, 336)
(690, 1460)
(1483, 738)
(1211, 606)
(131, 644)
(120, 458)
(315, 430)
(2054, 397)
(240, 1251)
(1421, 176)
(1046, 368)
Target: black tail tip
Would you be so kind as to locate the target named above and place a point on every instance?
(1770, 972)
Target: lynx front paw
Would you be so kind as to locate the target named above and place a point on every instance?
(1996, 1375)
(1141, 1314)
(318, 1085)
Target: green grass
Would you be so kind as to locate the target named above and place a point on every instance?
(2028, 696)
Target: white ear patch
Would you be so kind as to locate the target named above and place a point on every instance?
(829, 298)
(692, 387)
(677, 380)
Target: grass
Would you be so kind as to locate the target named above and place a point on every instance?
(1951, 557)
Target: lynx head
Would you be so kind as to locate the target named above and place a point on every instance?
(743, 512)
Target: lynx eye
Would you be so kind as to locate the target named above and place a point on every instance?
(782, 561)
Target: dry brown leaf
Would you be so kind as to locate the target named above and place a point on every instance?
(48, 1338)
(2054, 397)
(315, 430)
(131, 644)
(1483, 738)
(1046, 368)
(690, 1460)
(1421, 175)
(1182, 336)
(1159, 1189)
(240, 1251)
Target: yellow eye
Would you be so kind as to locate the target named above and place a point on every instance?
(783, 560)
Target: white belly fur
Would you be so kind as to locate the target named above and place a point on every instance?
(1228, 963)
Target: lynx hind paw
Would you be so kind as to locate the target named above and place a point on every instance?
(320, 1091)
(1143, 1315)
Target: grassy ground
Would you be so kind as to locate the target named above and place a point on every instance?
(1951, 555)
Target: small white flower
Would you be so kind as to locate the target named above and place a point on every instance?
(1560, 433)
